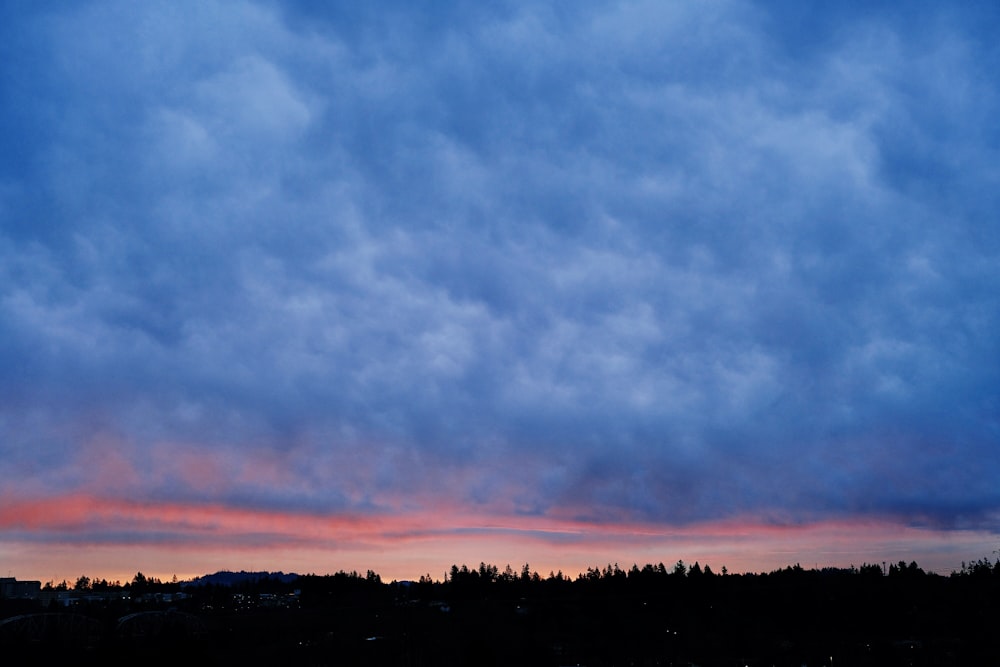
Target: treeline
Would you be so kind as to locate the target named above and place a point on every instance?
(980, 569)
(490, 577)
(873, 614)
(679, 583)
(139, 583)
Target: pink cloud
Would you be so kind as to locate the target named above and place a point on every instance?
(193, 538)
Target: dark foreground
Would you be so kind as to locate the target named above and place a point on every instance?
(482, 617)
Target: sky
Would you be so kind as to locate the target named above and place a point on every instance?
(395, 285)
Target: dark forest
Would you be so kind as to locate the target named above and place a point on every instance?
(651, 615)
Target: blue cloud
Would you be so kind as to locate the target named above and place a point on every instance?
(615, 260)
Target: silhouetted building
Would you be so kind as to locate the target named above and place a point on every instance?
(11, 589)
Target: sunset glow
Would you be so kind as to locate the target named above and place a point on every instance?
(116, 537)
(321, 286)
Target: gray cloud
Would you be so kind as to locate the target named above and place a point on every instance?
(619, 260)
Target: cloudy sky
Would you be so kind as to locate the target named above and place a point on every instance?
(400, 284)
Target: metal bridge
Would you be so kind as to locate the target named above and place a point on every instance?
(59, 628)
(153, 624)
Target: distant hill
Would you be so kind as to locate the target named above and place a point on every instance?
(226, 578)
